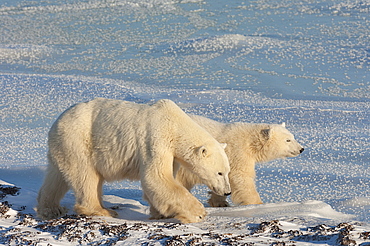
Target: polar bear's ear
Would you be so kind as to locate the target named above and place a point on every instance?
(266, 133)
(283, 124)
(223, 145)
(202, 150)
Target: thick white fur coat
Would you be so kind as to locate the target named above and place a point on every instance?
(105, 140)
(247, 144)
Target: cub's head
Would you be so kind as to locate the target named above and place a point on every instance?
(279, 142)
(210, 163)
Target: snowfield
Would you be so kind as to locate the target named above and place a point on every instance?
(320, 197)
(305, 63)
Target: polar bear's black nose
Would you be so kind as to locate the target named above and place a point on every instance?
(227, 194)
(301, 150)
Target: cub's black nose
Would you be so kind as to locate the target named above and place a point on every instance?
(227, 194)
(301, 150)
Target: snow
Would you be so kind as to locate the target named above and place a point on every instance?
(326, 185)
(305, 63)
(256, 223)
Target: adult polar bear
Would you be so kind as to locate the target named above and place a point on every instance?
(247, 144)
(110, 140)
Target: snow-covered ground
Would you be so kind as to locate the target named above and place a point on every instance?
(296, 223)
(305, 63)
(307, 198)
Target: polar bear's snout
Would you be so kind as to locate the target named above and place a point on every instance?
(227, 191)
(296, 152)
(221, 192)
(223, 187)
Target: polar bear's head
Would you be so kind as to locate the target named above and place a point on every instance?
(278, 142)
(210, 164)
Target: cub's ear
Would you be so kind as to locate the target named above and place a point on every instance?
(223, 145)
(202, 151)
(283, 124)
(266, 133)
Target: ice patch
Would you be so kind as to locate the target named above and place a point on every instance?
(316, 209)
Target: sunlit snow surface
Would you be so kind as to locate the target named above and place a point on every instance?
(296, 48)
(305, 63)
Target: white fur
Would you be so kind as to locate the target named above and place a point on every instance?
(105, 140)
(247, 144)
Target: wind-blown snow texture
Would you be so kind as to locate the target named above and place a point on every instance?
(305, 63)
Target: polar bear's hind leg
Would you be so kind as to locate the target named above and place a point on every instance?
(51, 193)
(87, 187)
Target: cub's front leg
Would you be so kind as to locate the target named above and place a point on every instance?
(244, 190)
(217, 201)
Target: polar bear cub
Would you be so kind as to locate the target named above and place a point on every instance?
(247, 144)
(105, 140)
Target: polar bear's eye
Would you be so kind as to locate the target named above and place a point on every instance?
(220, 174)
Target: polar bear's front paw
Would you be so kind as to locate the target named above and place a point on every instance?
(194, 213)
(187, 219)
